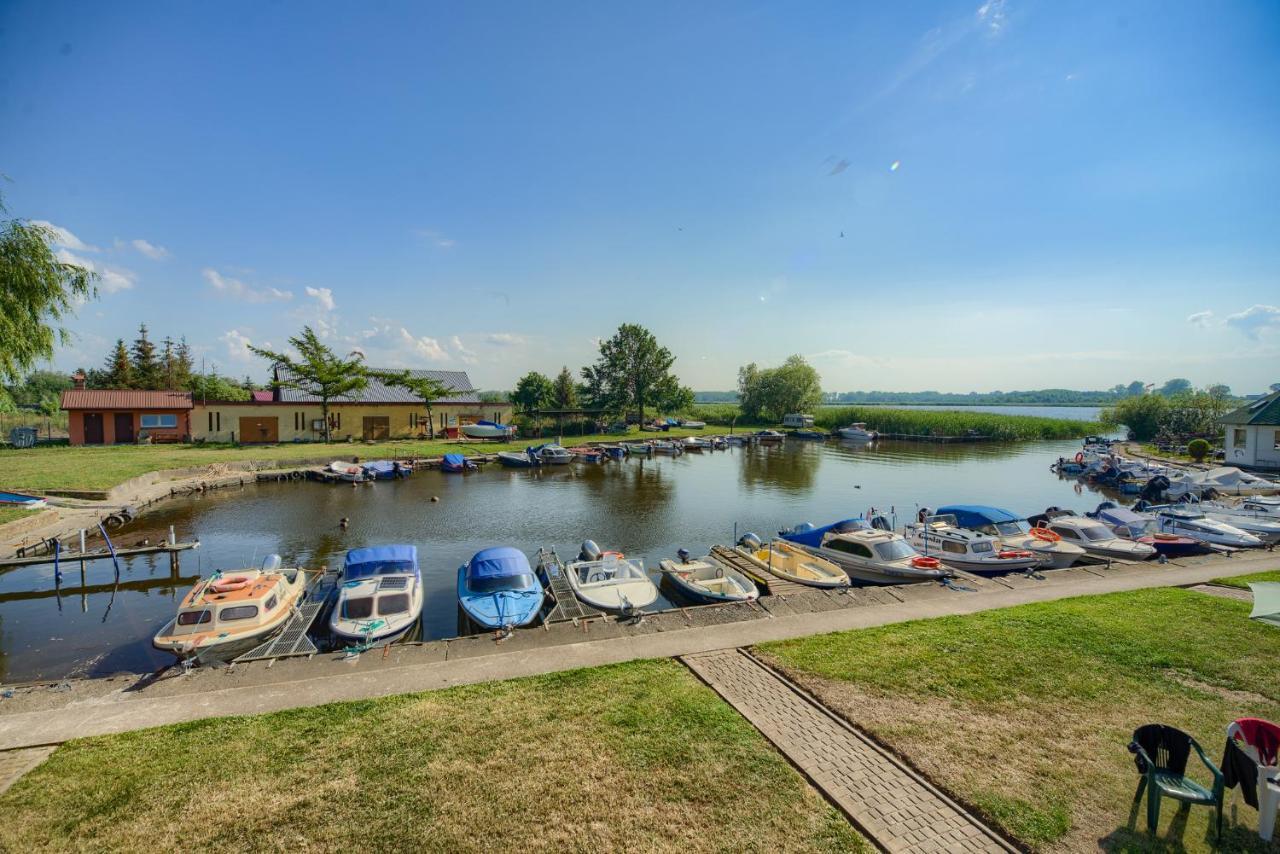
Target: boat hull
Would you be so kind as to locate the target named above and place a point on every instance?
(876, 573)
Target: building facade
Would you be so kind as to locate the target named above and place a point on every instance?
(1253, 434)
(124, 417)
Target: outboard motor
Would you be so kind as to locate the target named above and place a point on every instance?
(589, 550)
(881, 522)
(750, 541)
(1140, 505)
(271, 563)
(1154, 490)
(922, 514)
(683, 554)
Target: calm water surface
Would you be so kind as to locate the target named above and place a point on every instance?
(645, 508)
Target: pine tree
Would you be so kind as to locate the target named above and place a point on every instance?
(184, 366)
(168, 365)
(118, 372)
(146, 368)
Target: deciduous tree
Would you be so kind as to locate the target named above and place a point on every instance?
(429, 389)
(533, 391)
(317, 370)
(634, 369)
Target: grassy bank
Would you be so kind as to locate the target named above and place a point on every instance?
(920, 422)
(638, 756)
(102, 467)
(1026, 712)
(12, 514)
(1242, 581)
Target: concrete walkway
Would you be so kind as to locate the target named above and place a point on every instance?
(133, 709)
(897, 808)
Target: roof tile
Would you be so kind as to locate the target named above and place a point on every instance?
(379, 392)
(109, 398)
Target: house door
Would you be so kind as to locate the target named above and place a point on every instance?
(377, 427)
(93, 434)
(256, 429)
(124, 428)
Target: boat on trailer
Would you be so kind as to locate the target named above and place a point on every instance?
(379, 596)
(230, 613)
(487, 430)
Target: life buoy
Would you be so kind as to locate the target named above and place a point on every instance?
(1010, 554)
(228, 585)
(618, 555)
(925, 562)
(1045, 534)
(1080, 456)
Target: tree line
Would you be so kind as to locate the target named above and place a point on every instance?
(1185, 414)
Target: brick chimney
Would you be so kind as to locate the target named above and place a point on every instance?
(77, 379)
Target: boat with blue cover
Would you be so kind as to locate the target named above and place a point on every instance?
(868, 554)
(21, 500)
(498, 590)
(386, 469)
(456, 463)
(379, 596)
(1015, 532)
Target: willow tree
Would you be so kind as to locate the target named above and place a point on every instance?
(317, 370)
(37, 292)
(429, 389)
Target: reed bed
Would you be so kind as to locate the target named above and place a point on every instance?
(921, 422)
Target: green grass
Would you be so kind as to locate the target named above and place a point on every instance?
(920, 422)
(96, 468)
(1025, 712)
(1242, 581)
(11, 514)
(638, 756)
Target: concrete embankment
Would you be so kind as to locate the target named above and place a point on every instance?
(51, 714)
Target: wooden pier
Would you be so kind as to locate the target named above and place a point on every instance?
(293, 640)
(568, 608)
(769, 584)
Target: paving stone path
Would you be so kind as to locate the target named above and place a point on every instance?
(1224, 591)
(890, 803)
(15, 763)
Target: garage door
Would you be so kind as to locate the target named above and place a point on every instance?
(377, 427)
(255, 429)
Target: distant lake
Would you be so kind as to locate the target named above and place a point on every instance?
(1074, 413)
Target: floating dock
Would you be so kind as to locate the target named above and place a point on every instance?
(769, 584)
(568, 608)
(293, 640)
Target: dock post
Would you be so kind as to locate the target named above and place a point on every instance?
(173, 537)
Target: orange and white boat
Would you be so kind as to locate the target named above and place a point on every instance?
(232, 612)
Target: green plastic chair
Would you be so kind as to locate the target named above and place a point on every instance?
(1161, 754)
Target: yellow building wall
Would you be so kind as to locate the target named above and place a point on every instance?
(220, 422)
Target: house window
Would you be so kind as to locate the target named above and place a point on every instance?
(1238, 437)
(210, 422)
(218, 420)
(153, 422)
(1276, 441)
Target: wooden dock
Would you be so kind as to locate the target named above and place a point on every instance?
(70, 557)
(293, 639)
(769, 584)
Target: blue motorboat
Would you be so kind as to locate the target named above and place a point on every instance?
(379, 595)
(386, 469)
(498, 590)
(456, 463)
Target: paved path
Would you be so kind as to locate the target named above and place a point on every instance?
(15, 763)
(132, 710)
(889, 802)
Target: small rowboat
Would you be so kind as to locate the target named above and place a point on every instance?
(707, 581)
(792, 564)
(640, 449)
(610, 582)
(353, 472)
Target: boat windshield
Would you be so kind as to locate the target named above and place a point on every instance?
(981, 546)
(1096, 532)
(358, 609)
(1006, 529)
(495, 585)
(368, 570)
(394, 603)
(895, 550)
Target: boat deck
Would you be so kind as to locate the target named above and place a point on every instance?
(568, 607)
(293, 639)
(768, 583)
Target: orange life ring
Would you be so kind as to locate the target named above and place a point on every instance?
(228, 585)
(1045, 534)
(1013, 553)
(1080, 456)
(925, 562)
(618, 555)
(1166, 537)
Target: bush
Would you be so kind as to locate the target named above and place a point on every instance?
(1198, 449)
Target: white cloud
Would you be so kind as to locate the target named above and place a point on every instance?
(63, 237)
(110, 279)
(237, 344)
(237, 289)
(464, 355)
(435, 238)
(1201, 319)
(427, 348)
(1255, 320)
(146, 247)
(991, 13)
(324, 296)
(503, 339)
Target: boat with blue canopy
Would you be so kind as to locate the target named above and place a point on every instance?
(498, 590)
(387, 469)
(456, 463)
(379, 596)
(487, 430)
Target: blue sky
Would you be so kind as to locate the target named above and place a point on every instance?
(955, 196)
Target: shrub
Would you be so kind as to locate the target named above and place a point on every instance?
(1198, 449)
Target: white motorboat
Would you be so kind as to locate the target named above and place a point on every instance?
(1189, 522)
(609, 581)
(858, 432)
(663, 446)
(552, 454)
(695, 443)
(1257, 516)
(639, 449)
(1223, 480)
(971, 551)
(487, 430)
(707, 580)
(353, 472)
(379, 595)
(1015, 532)
(1094, 537)
(232, 612)
(792, 563)
(693, 425)
(867, 554)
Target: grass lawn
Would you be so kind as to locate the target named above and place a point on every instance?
(1242, 581)
(11, 514)
(1025, 713)
(639, 756)
(102, 467)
